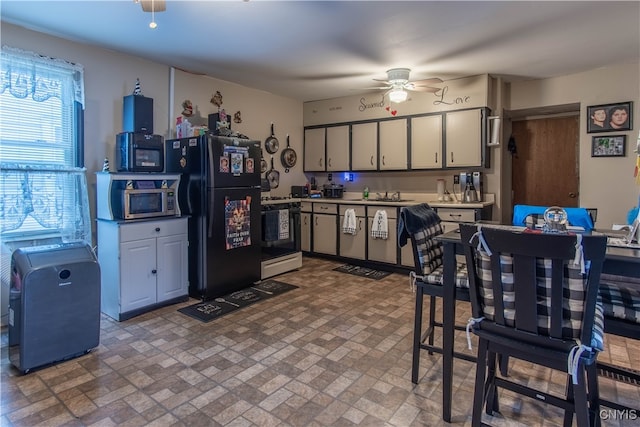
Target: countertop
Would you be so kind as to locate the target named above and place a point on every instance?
(407, 199)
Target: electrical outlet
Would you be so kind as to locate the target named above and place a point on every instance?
(329, 176)
(456, 179)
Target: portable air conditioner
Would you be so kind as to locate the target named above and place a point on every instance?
(54, 304)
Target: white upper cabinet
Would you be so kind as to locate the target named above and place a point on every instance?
(426, 142)
(338, 148)
(314, 160)
(463, 141)
(393, 144)
(364, 146)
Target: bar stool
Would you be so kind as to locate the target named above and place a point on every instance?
(421, 225)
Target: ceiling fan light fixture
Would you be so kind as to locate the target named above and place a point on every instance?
(398, 95)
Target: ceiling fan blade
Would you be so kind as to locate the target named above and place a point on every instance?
(382, 80)
(379, 87)
(424, 89)
(427, 81)
(312, 77)
(158, 5)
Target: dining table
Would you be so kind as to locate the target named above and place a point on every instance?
(620, 261)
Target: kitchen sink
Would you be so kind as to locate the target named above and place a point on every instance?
(389, 199)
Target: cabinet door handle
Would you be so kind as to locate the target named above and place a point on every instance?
(157, 229)
(316, 220)
(305, 220)
(360, 224)
(329, 162)
(320, 162)
(436, 154)
(383, 163)
(154, 271)
(371, 160)
(455, 215)
(452, 161)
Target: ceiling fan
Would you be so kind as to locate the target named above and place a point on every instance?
(153, 5)
(398, 84)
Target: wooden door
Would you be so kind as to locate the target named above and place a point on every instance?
(545, 169)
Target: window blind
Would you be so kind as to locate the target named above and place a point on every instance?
(43, 190)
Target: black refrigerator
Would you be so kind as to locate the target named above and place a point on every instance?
(220, 192)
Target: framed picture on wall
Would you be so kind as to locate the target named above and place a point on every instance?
(609, 146)
(609, 117)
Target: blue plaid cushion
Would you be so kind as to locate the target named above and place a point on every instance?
(429, 249)
(462, 277)
(574, 295)
(620, 301)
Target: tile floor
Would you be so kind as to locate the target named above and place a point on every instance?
(335, 352)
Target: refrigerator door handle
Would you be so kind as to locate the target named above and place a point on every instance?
(209, 155)
(210, 218)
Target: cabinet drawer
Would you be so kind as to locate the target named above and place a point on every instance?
(306, 206)
(150, 229)
(360, 209)
(325, 208)
(392, 213)
(457, 215)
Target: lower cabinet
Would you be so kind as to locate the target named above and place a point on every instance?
(451, 218)
(383, 250)
(406, 255)
(325, 216)
(143, 265)
(322, 231)
(353, 245)
(306, 209)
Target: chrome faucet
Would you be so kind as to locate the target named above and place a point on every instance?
(395, 196)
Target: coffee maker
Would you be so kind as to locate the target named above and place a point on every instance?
(471, 187)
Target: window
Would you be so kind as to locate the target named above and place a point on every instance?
(43, 185)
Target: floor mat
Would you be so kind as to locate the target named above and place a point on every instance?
(218, 307)
(362, 271)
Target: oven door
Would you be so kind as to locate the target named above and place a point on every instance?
(280, 230)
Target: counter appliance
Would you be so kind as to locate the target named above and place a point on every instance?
(139, 152)
(220, 191)
(471, 187)
(333, 191)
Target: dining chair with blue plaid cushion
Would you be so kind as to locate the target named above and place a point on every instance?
(534, 297)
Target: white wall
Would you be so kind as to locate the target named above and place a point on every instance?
(110, 75)
(258, 110)
(606, 183)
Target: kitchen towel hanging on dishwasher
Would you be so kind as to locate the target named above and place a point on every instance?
(349, 223)
(380, 228)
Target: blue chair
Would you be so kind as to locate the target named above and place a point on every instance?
(579, 217)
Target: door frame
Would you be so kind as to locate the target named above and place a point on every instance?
(548, 112)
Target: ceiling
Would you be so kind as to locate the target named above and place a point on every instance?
(311, 50)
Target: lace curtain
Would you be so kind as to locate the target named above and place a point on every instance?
(30, 74)
(42, 194)
(56, 198)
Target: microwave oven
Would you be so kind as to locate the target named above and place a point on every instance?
(147, 203)
(139, 152)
